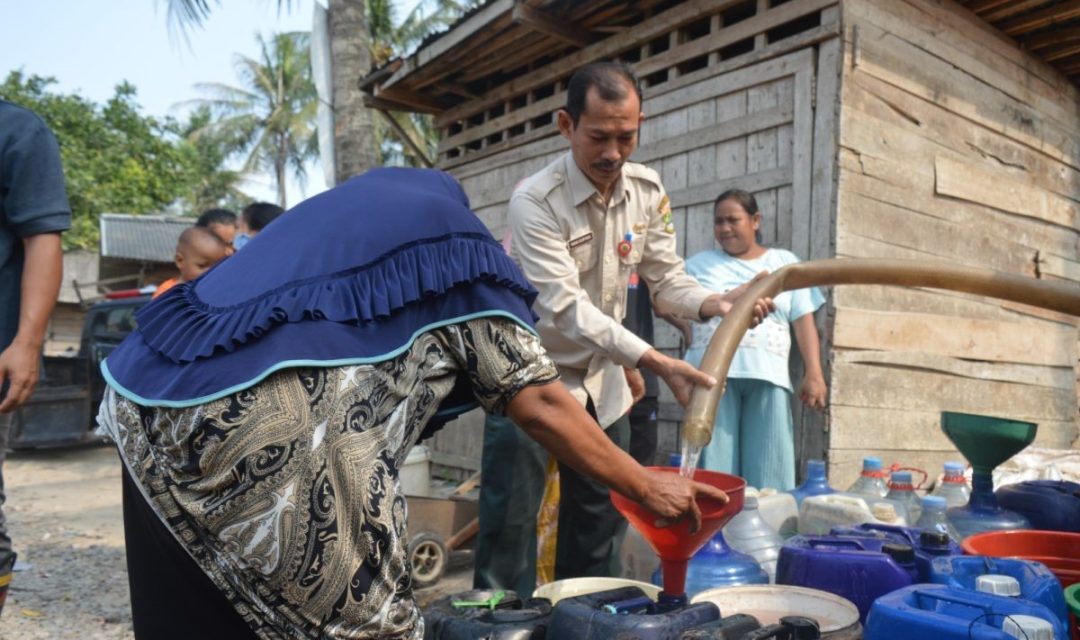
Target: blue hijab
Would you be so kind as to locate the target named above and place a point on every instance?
(351, 276)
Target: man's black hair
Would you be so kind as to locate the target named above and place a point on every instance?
(611, 80)
(259, 214)
(216, 216)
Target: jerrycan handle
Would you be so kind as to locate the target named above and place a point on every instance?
(838, 544)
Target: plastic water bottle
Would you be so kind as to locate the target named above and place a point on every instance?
(816, 483)
(750, 534)
(872, 480)
(902, 490)
(933, 517)
(953, 487)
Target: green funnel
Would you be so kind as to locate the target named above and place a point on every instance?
(986, 441)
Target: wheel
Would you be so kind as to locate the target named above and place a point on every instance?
(427, 559)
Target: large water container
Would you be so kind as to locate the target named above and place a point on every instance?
(953, 486)
(938, 612)
(780, 510)
(837, 618)
(733, 627)
(718, 565)
(497, 615)
(1034, 580)
(1050, 505)
(816, 483)
(983, 513)
(748, 533)
(934, 518)
(902, 490)
(625, 613)
(872, 480)
(858, 569)
(927, 546)
(820, 514)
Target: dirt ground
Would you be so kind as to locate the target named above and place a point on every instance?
(64, 515)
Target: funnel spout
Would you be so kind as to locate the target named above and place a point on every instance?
(701, 412)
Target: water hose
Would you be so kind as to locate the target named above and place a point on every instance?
(701, 412)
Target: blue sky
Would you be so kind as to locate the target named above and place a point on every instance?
(89, 47)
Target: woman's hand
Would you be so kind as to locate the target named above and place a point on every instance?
(672, 497)
(813, 391)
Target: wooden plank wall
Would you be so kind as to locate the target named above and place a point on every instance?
(954, 145)
(748, 122)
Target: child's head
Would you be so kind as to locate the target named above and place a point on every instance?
(222, 222)
(197, 250)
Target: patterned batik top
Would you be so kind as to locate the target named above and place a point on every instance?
(286, 494)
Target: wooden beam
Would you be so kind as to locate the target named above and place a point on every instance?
(452, 38)
(404, 136)
(1061, 52)
(1058, 36)
(407, 101)
(662, 23)
(1051, 15)
(1011, 9)
(539, 21)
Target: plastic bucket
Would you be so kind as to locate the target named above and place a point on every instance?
(1058, 550)
(572, 587)
(838, 617)
(1072, 598)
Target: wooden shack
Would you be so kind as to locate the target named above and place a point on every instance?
(918, 129)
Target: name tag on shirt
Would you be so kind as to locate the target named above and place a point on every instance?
(580, 240)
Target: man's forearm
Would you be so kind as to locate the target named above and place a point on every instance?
(43, 268)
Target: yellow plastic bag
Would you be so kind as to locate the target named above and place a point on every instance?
(547, 525)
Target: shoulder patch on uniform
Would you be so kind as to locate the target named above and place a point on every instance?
(641, 172)
(539, 186)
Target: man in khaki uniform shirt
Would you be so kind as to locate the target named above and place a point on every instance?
(582, 228)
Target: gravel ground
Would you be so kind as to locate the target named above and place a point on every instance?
(64, 515)
(63, 511)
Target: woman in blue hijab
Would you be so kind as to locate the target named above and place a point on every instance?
(263, 411)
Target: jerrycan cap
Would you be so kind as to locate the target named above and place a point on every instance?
(934, 539)
(998, 585)
(871, 463)
(750, 502)
(1028, 627)
(884, 511)
(955, 467)
(902, 553)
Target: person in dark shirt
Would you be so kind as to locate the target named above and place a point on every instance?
(33, 212)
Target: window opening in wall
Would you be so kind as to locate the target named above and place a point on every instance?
(693, 64)
(739, 12)
(798, 25)
(696, 30)
(545, 91)
(541, 121)
(737, 49)
(659, 45)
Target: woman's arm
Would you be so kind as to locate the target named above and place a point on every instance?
(552, 417)
(812, 390)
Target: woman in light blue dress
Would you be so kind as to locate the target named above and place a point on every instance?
(753, 436)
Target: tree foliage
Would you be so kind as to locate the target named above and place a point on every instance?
(270, 118)
(116, 159)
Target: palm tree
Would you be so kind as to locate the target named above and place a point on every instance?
(362, 32)
(270, 118)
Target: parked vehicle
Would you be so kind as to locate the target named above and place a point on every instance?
(63, 408)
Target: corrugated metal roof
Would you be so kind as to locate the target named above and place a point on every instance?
(150, 238)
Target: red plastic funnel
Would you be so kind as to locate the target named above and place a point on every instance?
(675, 544)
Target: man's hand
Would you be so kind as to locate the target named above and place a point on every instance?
(20, 369)
(636, 382)
(672, 496)
(813, 391)
(720, 304)
(680, 376)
